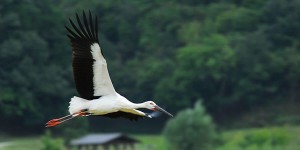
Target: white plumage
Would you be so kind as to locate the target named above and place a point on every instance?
(77, 104)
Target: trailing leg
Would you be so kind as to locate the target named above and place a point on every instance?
(55, 122)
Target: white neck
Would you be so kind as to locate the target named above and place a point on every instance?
(137, 106)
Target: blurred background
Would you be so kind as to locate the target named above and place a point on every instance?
(228, 70)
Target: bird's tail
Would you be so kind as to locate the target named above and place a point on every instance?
(77, 104)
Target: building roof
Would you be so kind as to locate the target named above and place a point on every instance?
(98, 139)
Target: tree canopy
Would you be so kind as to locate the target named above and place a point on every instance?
(235, 55)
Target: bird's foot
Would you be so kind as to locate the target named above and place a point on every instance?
(53, 122)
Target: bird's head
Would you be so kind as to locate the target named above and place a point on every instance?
(152, 106)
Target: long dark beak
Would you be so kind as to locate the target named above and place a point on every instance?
(162, 110)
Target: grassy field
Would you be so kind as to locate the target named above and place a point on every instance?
(156, 142)
(275, 138)
(25, 143)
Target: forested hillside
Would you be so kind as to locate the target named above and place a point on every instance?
(233, 55)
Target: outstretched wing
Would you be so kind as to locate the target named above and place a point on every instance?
(132, 114)
(89, 66)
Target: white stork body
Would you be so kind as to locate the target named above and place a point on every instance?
(97, 93)
(105, 105)
(99, 106)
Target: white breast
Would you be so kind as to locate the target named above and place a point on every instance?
(105, 104)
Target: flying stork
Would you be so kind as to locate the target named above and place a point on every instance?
(97, 93)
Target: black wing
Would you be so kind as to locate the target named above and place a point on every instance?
(88, 62)
(121, 114)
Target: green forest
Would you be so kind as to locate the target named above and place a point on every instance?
(240, 58)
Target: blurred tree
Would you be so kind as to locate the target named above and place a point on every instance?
(237, 19)
(31, 55)
(191, 129)
(234, 54)
(204, 70)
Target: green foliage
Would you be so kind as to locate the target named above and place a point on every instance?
(190, 33)
(30, 55)
(209, 63)
(274, 137)
(191, 129)
(49, 143)
(236, 55)
(237, 20)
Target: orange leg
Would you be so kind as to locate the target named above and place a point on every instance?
(55, 122)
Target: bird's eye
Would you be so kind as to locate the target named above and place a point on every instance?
(151, 103)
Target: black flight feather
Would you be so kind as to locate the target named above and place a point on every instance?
(81, 27)
(90, 36)
(82, 63)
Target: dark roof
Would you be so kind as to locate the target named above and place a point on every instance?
(98, 139)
